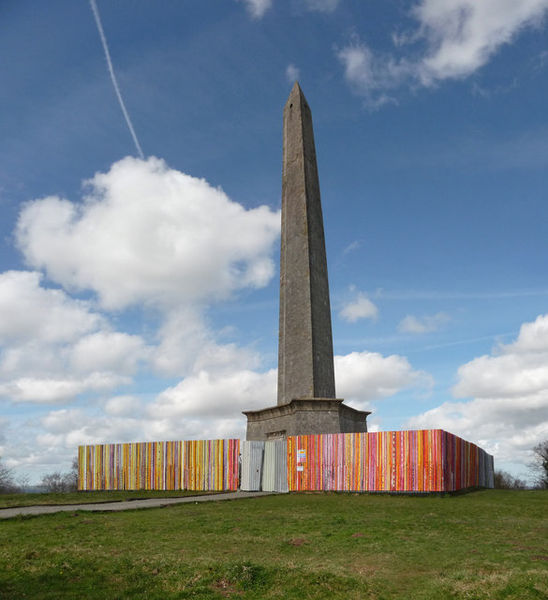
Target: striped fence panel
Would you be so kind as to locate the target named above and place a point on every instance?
(184, 465)
(429, 460)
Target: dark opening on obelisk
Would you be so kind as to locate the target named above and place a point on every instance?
(306, 380)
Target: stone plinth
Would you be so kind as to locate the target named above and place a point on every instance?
(305, 416)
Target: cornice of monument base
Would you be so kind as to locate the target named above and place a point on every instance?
(303, 416)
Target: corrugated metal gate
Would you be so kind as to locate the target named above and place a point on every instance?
(275, 467)
(264, 466)
(252, 454)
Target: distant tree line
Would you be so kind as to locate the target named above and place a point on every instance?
(52, 482)
(505, 481)
(58, 482)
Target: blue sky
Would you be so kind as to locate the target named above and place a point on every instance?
(139, 296)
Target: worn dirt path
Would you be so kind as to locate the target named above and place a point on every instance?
(8, 513)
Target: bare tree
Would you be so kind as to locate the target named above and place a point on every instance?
(58, 482)
(539, 467)
(7, 483)
(71, 478)
(505, 481)
(53, 482)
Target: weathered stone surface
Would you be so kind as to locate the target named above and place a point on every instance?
(305, 351)
(305, 416)
(306, 381)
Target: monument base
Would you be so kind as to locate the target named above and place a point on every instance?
(304, 416)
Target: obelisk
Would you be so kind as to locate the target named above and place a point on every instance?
(306, 382)
(305, 350)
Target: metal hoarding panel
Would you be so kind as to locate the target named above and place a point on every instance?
(275, 466)
(252, 465)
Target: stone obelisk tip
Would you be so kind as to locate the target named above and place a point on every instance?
(296, 93)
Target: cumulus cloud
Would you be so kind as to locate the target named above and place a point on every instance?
(508, 413)
(519, 369)
(60, 390)
(146, 233)
(362, 377)
(425, 324)
(186, 345)
(452, 39)
(204, 395)
(53, 347)
(359, 308)
(123, 406)
(68, 428)
(30, 311)
(257, 8)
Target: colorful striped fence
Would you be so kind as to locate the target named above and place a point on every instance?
(429, 460)
(185, 465)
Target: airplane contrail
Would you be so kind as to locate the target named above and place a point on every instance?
(113, 77)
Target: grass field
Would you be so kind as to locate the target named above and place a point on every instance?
(10, 500)
(489, 544)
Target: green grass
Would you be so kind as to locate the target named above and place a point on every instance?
(11, 500)
(483, 545)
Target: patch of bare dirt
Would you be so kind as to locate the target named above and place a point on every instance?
(297, 542)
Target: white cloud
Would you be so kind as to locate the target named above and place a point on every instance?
(425, 324)
(144, 235)
(123, 406)
(452, 39)
(53, 348)
(60, 390)
(360, 308)
(365, 376)
(257, 8)
(29, 311)
(148, 233)
(292, 73)
(519, 369)
(508, 414)
(68, 428)
(462, 35)
(186, 345)
(108, 351)
(204, 395)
